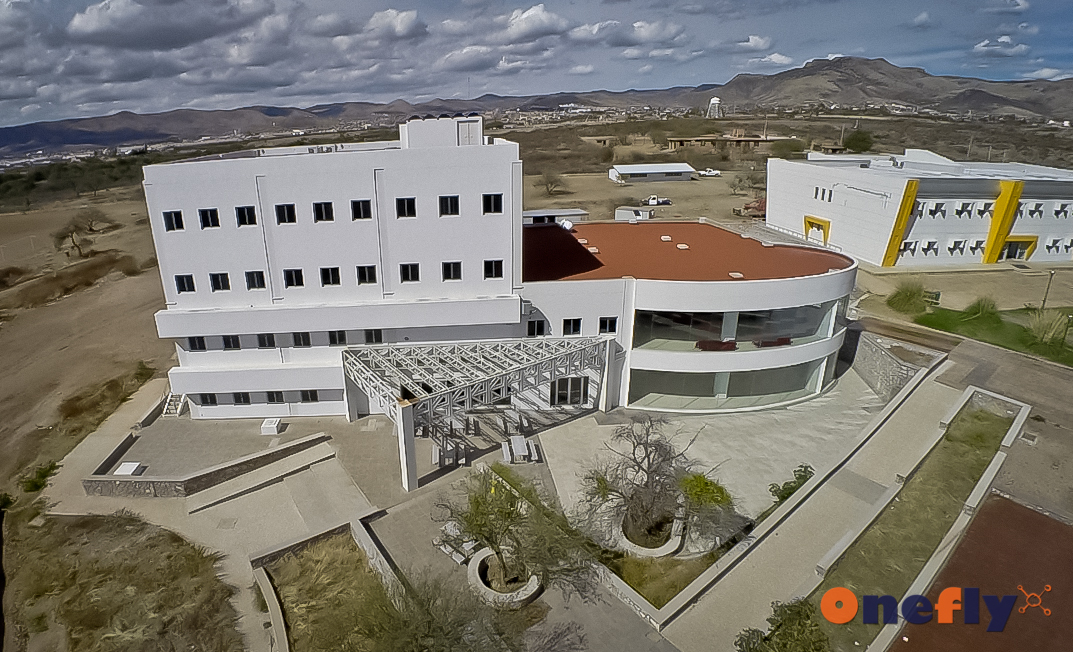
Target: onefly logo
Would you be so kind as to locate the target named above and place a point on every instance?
(839, 605)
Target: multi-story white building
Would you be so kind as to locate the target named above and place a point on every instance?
(921, 209)
(397, 277)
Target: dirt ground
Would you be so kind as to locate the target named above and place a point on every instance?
(1006, 546)
(600, 196)
(50, 352)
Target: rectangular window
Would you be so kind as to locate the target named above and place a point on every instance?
(366, 274)
(208, 399)
(173, 220)
(220, 282)
(536, 327)
(184, 283)
(266, 341)
(452, 271)
(570, 391)
(195, 343)
(374, 336)
(493, 203)
(448, 205)
(309, 396)
(242, 398)
(329, 276)
(323, 212)
(406, 207)
(285, 214)
(608, 324)
(255, 280)
(336, 338)
(571, 327)
(361, 209)
(246, 215)
(493, 269)
(292, 278)
(231, 343)
(301, 339)
(275, 397)
(210, 217)
(409, 272)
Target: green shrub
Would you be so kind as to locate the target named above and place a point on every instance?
(781, 492)
(1048, 326)
(859, 141)
(982, 308)
(38, 480)
(908, 298)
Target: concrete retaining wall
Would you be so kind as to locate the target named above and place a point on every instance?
(879, 368)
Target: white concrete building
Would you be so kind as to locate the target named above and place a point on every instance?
(921, 209)
(397, 278)
(642, 172)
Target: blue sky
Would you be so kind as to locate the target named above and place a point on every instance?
(71, 58)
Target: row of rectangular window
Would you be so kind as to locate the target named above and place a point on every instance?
(324, 211)
(329, 276)
(538, 327)
(299, 340)
(243, 398)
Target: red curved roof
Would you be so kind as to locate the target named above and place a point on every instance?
(551, 253)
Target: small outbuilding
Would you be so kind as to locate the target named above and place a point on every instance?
(630, 213)
(552, 215)
(651, 172)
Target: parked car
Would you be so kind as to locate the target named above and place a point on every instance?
(710, 173)
(654, 200)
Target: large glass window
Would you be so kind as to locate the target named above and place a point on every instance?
(723, 390)
(677, 326)
(781, 327)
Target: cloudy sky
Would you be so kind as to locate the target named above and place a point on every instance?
(71, 58)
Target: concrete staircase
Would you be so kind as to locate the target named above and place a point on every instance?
(174, 405)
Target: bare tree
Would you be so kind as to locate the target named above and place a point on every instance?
(525, 537)
(77, 233)
(551, 181)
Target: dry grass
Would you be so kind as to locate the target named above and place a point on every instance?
(117, 583)
(659, 580)
(325, 590)
(82, 274)
(892, 551)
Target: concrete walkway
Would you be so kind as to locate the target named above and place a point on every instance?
(308, 500)
(783, 565)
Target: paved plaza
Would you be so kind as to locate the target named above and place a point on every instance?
(746, 451)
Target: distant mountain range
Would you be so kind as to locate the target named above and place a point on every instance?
(844, 81)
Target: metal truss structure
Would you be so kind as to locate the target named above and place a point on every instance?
(431, 386)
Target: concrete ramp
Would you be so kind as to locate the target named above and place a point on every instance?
(259, 478)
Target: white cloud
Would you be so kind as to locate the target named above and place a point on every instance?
(533, 23)
(633, 53)
(645, 33)
(755, 42)
(1003, 46)
(593, 32)
(1050, 74)
(395, 25)
(774, 58)
(469, 58)
(922, 21)
(129, 24)
(583, 69)
(645, 69)
(331, 25)
(659, 53)
(1006, 7)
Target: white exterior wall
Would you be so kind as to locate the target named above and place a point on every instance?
(861, 222)
(862, 205)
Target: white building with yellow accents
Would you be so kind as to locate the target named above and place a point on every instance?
(920, 209)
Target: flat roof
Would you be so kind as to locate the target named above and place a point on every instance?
(654, 167)
(551, 253)
(555, 212)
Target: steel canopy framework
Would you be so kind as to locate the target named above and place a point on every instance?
(430, 384)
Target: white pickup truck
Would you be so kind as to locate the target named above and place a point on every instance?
(655, 200)
(710, 173)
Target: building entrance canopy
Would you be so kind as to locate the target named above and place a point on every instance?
(429, 385)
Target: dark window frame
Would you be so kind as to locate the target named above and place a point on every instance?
(241, 398)
(451, 270)
(410, 273)
(246, 215)
(496, 269)
(536, 328)
(293, 278)
(329, 276)
(572, 326)
(608, 325)
(255, 280)
(301, 340)
(196, 343)
(266, 340)
(449, 206)
(323, 211)
(209, 218)
(184, 283)
(219, 281)
(275, 398)
(405, 207)
(374, 336)
(337, 338)
(286, 214)
(361, 209)
(310, 396)
(366, 274)
(492, 203)
(173, 221)
(232, 343)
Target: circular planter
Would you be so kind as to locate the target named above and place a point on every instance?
(673, 545)
(478, 565)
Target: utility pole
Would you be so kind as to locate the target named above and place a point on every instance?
(842, 138)
(968, 154)
(1047, 291)
(989, 153)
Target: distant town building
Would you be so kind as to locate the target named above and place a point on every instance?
(920, 209)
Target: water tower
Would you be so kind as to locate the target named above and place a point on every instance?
(714, 109)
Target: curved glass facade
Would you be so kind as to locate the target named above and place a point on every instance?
(673, 390)
(734, 331)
